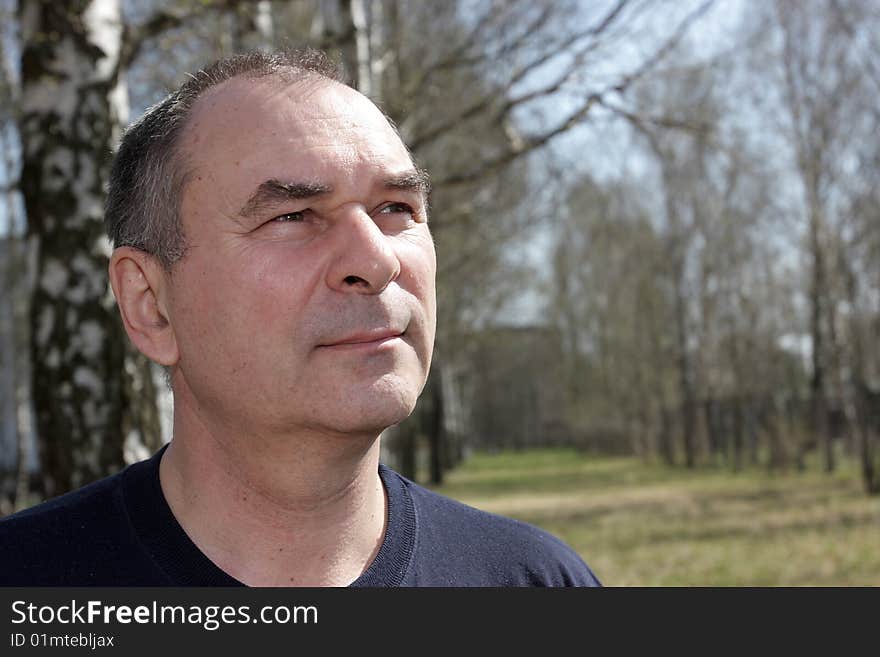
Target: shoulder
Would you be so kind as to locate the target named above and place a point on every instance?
(473, 547)
(44, 544)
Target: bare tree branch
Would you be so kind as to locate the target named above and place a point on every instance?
(578, 115)
(641, 121)
(870, 63)
(491, 98)
(135, 37)
(527, 145)
(454, 56)
(666, 48)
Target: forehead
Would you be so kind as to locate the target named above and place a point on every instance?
(312, 129)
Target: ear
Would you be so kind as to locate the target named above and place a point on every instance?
(139, 285)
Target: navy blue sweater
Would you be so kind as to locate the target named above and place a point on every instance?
(120, 532)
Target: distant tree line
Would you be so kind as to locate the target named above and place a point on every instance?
(723, 302)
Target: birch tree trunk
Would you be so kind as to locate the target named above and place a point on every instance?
(69, 115)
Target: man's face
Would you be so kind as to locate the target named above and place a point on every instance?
(306, 297)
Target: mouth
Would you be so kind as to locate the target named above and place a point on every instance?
(365, 340)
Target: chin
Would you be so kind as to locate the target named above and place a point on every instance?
(374, 408)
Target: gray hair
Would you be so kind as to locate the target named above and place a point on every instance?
(149, 171)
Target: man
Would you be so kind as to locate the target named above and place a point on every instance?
(273, 254)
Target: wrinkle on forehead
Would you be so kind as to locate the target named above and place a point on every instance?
(303, 115)
(249, 131)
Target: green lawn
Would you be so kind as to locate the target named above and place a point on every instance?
(647, 525)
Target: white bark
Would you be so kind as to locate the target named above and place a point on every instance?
(73, 106)
(263, 23)
(362, 47)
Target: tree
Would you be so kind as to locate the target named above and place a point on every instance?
(676, 297)
(857, 243)
(70, 104)
(606, 296)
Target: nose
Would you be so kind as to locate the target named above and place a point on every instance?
(365, 262)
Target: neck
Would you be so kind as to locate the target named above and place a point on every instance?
(302, 509)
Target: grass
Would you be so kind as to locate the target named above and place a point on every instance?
(638, 524)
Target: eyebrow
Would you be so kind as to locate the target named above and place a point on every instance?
(416, 180)
(273, 192)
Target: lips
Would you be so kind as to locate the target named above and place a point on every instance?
(373, 337)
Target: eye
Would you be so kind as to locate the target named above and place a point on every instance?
(290, 217)
(396, 208)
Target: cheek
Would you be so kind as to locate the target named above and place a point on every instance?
(419, 268)
(418, 275)
(228, 304)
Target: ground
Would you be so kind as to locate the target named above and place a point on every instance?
(640, 524)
